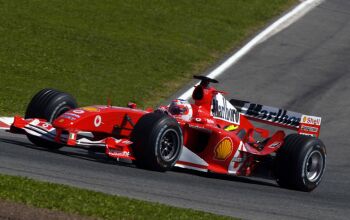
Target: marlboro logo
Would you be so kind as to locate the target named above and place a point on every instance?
(221, 108)
(273, 114)
(268, 113)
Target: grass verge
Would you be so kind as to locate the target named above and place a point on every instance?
(137, 50)
(89, 203)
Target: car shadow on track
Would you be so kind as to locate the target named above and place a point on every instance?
(100, 157)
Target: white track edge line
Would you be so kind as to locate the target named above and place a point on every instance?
(7, 120)
(274, 28)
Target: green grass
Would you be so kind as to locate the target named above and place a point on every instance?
(89, 203)
(130, 50)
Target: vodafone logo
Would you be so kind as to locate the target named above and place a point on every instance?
(97, 121)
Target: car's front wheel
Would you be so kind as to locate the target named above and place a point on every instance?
(48, 104)
(157, 141)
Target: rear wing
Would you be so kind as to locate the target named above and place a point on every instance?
(304, 124)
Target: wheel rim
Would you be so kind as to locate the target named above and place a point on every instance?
(314, 166)
(168, 145)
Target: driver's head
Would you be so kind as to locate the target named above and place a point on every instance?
(182, 108)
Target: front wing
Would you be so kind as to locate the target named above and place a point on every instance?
(116, 148)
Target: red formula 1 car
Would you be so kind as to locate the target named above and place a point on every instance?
(210, 135)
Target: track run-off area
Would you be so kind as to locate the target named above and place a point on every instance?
(304, 68)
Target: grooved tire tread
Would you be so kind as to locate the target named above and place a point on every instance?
(47, 104)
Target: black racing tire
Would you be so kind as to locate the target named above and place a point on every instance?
(157, 142)
(300, 163)
(48, 104)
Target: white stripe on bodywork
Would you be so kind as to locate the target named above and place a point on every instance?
(87, 142)
(188, 156)
(234, 165)
(191, 167)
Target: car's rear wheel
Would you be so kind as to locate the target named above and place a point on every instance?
(48, 104)
(158, 140)
(300, 162)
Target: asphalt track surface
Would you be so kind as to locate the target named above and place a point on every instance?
(304, 68)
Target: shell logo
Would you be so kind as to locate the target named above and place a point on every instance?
(224, 149)
(304, 119)
(91, 109)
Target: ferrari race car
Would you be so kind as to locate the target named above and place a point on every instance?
(210, 135)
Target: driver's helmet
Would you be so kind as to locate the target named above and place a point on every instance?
(181, 108)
